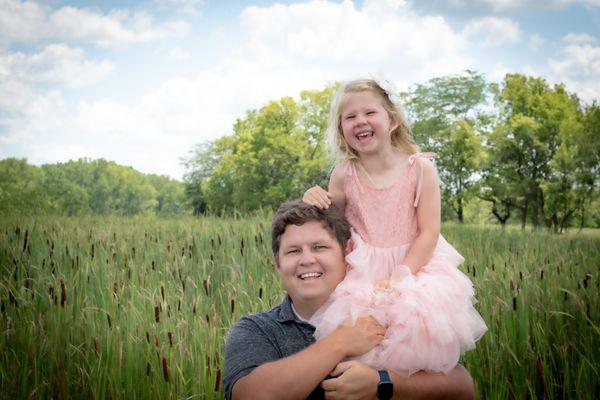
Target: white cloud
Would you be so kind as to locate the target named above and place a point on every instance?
(56, 63)
(579, 69)
(535, 42)
(280, 51)
(28, 80)
(579, 38)
(493, 31)
(178, 54)
(30, 22)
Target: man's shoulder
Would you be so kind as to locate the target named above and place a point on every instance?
(261, 320)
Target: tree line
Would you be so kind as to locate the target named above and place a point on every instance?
(86, 187)
(521, 151)
(527, 150)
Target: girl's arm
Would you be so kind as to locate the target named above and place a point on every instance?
(336, 187)
(428, 219)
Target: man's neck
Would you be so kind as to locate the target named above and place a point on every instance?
(304, 311)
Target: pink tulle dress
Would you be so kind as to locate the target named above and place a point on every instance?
(430, 316)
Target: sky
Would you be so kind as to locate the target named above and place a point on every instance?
(141, 82)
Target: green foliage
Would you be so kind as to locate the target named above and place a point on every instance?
(86, 187)
(537, 153)
(274, 154)
(449, 117)
(21, 188)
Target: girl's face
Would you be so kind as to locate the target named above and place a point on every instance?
(365, 123)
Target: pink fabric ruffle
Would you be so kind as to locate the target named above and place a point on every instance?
(430, 316)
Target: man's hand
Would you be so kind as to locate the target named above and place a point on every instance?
(357, 339)
(352, 380)
(318, 197)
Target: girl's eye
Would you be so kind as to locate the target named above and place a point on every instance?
(371, 112)
(349, 116)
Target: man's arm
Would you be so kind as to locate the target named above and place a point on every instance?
(296, 376)
(356, 380)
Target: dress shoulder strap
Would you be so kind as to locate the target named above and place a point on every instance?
(411, 161)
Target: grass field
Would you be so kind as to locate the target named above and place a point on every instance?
(139, 308)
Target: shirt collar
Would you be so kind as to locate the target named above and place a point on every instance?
(287, 313)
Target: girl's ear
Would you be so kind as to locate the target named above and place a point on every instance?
(349, 245)
(393, 124)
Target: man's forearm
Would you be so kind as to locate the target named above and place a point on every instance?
(293, 377)
(422, 385)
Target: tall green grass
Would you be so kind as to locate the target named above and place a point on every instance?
(139, 308)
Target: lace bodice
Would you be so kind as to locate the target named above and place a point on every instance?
(385, 217)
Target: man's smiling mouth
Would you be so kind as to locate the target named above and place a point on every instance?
(310, 275)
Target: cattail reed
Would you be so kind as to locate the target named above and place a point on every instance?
(165, 369)
(162, 292)
(63, 293)
(232, 305)
(109, 321)
(170, 339)
(95, 344)
(514, 304)
(147, 369)
(206, 283)
(26, 241)
(588, 276)
(156, 313)
(218, 380)
(147, 337)
(260, 292)
(92, 251)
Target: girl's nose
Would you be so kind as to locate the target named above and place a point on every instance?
(360, 119)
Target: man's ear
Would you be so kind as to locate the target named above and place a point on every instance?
(276, 260)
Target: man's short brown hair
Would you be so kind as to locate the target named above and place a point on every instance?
(296, 212)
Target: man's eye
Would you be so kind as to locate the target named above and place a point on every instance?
(292, 251)
(320, 247)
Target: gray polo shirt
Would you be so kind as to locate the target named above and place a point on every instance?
(263, 337)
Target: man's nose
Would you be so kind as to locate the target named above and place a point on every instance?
(307, 258)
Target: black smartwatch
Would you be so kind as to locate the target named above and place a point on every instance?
(385, 387)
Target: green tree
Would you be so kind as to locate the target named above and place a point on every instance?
(274, 153)
(531, 150)
(21, 190)
(170, 195)
(449, 116)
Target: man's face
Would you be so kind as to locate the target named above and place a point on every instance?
(311, 264)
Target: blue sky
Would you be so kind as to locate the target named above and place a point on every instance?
(141, 82)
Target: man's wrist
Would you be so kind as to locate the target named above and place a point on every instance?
(385, 387)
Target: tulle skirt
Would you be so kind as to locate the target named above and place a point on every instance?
(430, 316)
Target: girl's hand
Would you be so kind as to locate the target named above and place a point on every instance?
(318, 197)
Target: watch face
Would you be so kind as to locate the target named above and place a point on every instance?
(385, 390)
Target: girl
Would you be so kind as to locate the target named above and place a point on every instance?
(401, 270)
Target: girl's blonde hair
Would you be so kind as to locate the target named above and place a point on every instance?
(400, 136)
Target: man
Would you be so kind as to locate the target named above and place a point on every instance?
(273, 355)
